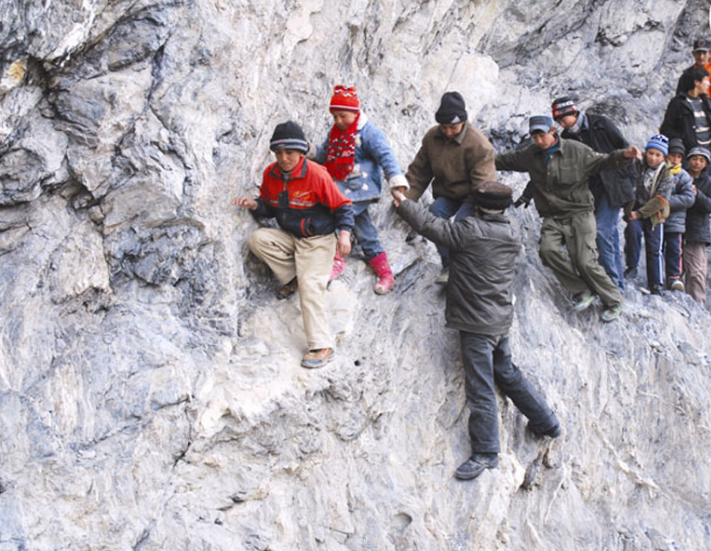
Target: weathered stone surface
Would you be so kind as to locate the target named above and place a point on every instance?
(150, 389)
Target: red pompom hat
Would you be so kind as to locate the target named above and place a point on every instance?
(345, 98)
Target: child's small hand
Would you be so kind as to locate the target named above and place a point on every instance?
(343, 246)
(245, 203)
(398, 196)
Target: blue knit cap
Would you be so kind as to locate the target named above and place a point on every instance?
(660, 142)
(540, 123)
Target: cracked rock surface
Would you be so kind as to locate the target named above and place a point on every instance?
(150, 390)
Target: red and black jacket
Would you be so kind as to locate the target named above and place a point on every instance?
(307, 204)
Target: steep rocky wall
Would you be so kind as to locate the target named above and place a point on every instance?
(150, 393)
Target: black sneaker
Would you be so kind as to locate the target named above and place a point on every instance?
(656, 289)
(554, 432)
(630, 273)
(476, 465)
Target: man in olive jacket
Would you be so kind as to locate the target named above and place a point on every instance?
(483, 247)
(611, 189)
(559, 171)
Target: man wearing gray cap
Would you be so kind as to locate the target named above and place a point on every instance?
(559, 171)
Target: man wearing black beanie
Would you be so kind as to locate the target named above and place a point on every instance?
(455, 157)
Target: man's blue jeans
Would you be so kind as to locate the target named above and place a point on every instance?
(608, 240)
(443, 207)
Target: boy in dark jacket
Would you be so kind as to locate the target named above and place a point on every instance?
(611, 189)
(682, 197)
(483, 248)
(645, 215)
(698, 232)
(309, 208)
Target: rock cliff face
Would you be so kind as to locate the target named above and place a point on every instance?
(150, 393)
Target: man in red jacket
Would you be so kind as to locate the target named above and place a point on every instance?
(309, 207)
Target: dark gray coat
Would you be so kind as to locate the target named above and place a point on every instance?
(697, 217)
(483, 250)
(681, 198)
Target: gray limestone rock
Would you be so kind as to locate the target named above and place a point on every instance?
(151, 396)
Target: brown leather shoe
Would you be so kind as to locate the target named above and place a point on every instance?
(317, 358)
(289, 289)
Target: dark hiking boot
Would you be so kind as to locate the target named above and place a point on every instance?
(476, 465)
(630, 273)
(553, 432)
(656, 289)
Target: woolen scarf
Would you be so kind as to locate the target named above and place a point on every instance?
(340, 152)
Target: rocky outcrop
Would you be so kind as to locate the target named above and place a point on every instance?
(150, 393)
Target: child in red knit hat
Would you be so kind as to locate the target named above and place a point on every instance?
(355, 153)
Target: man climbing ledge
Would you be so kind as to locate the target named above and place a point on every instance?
(308, 207)
(455, 157)
(559, 171)
(483, 248)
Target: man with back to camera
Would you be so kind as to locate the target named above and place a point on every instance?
(483, 246)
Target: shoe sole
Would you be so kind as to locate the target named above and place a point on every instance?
(581, 307)
(320, 364)
(469, 476)
(609, 318)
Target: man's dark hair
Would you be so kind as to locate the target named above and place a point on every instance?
(690, 76)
